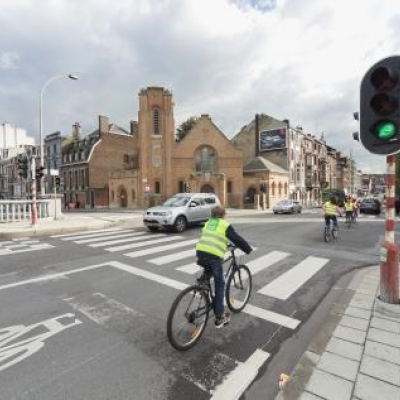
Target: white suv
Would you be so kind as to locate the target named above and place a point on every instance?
(180, 210)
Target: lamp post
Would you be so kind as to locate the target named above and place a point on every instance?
(70, 76)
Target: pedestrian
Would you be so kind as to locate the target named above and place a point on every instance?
(210, 252)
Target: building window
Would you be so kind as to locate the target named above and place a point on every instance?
(133, 195)
(285, 189)
(112, 195)
(76, 180)
(125, 159)
(205, 159)
(156, 122)
(181, 187)
(229, 187)
(157, 187)
(273, 189)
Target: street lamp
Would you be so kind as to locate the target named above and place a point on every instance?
(70, 76)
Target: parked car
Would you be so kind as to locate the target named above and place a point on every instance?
(370, 205)
(287, 206)
(179, 211)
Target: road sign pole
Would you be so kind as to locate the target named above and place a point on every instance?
(389, 280)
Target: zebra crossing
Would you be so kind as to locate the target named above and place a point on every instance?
(160, 249)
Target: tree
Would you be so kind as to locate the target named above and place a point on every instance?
(185, 128)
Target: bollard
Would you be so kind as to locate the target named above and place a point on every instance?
(389, 273)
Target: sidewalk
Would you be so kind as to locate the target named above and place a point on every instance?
(70, 222)
(361, 359)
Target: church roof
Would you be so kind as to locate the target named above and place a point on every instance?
(262, 164)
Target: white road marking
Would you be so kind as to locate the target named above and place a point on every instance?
(126, 240)
(41, 246)
(115, 235)
(191, 268)
(266, 261)
(240, 378)
(289, 282)
(271, 316)
(148, 242)
(73, 236)
(159, 249)
(173, 257)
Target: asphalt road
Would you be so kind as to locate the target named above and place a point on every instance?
(84, 315)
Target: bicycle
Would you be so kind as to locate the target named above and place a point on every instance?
(330, 231)
(189, 313)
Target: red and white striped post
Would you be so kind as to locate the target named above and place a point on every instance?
(389, 257)
(34, 216)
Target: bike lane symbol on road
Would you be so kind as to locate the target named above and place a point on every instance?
(19, 342)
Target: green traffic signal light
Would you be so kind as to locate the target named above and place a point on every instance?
(385, 130)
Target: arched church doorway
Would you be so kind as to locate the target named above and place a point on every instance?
(123, 199)
(207, 188)
(249, 197)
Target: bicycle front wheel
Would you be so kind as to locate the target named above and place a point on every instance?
(335, 232)
(187, 318)
(238, 288)
(327, 234)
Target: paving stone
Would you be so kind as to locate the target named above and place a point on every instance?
(358, 312)
(345, 348)
(362, 303)
(381, 369)
(378, 335)
(382, 351)
(329, 387)
(353, 322)
(385, 324)
(350, 334)
(368, 388)
(338, 365)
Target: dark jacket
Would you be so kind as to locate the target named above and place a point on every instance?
(234, 237)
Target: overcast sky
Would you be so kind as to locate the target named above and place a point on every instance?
(297, 59)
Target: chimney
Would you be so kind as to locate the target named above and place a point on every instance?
(77, 131)
(134, 128)
(103, 125)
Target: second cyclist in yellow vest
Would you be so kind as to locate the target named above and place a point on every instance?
(349, 208)
(210, 252)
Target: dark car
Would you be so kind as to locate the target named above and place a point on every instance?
(370, 206)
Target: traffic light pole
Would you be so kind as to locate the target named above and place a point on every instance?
(389, 256)
(34, 215)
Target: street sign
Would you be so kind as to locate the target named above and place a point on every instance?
(54, 172)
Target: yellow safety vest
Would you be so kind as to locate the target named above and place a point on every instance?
(213, 239)
(348, 206)
(330, 209)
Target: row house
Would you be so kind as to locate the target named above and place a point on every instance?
(87, 164)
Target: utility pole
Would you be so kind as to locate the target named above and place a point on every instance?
(33, 187)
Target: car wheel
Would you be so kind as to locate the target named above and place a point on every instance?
(180, 224)
(299, 211)
(291, 211)
(152, 228)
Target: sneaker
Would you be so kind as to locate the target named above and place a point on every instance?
(222, 321)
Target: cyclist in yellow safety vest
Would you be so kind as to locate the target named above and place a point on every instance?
(349, 208)
(210, 252)
(331, 210)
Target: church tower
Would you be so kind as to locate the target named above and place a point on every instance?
(156, 137)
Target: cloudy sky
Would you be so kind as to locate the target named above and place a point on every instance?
(297, 59)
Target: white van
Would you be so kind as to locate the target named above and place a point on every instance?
(179, 211)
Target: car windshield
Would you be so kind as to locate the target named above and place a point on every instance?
(176, 201)
(369, 201)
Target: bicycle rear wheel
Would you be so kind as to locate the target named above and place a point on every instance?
(335, 232)
(187, 318)
(238, 288)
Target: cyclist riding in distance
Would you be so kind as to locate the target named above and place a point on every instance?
(210, 252)
(356, 206)
(331, 210)
(349, 207)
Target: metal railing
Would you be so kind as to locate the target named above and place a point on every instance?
(21, 210)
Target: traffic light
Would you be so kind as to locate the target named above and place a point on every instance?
(39, 172)
(58, 182)
(380, 107)
(22, 166)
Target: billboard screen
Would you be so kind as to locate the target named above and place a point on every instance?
(273, 139)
